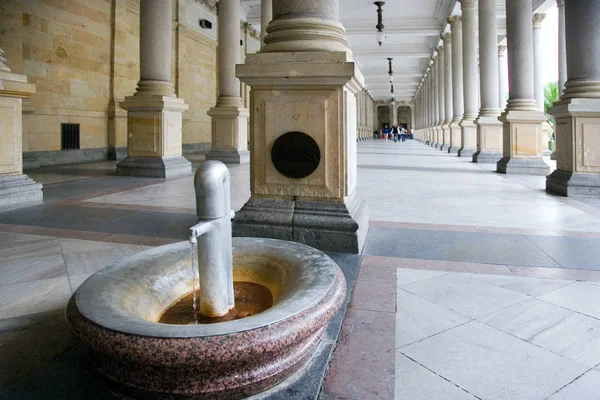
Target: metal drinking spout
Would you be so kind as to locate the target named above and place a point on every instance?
(213, 236)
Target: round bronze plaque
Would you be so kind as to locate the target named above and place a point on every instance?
(295, 155)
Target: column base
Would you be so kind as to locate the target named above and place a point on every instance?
(18, 191)
(229, 156)
(573, 184)
(469, 138)
(455, 138)
(484, 157)
(154, 167)
(553, 156)
(522, 166)
(327, 226)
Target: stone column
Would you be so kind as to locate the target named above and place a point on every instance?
(458, 105)
(303, 132)
(562, 47)
(266, 15)
(578, 112)
(522, 153)
(441, 99)
(434, 102)
(154, 113)
(538, 60)
(471, 94)
(448, 108)
(393, 114)
(503, 77)
(538, 63)
(229, 117)
(16, 189)
(489, 128)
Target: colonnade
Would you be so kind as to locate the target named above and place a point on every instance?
(513, 134)
(365, 121)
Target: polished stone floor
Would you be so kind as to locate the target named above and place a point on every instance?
(472, 284)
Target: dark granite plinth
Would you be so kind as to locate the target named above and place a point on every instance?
(327, 226)
(154, 167)
(573, 184)
(466, 152)
(453, 150)
(524, 166)
(229, 156)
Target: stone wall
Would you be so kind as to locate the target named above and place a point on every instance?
(83, 55)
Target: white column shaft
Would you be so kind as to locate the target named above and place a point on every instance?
(440, 83)
(503, 77)
(457, 72)
(155, 40)
(538, 61)
(562, 47)
(448, 78)
(519, 28)
(229, 47)
(488, 57)
(266, 15)
(469, 38)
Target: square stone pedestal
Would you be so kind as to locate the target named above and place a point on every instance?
(229, 135)
(445, 137)
(455, 137)
(16, 190)
(489, 140)
(577, 148)
(469, 138)
(310, 96)
(154, 137)
(522, 153)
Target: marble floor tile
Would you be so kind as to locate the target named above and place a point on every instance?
(529, 286)
(363, 361)
(405, 276)
(32, 269)
(587, 387)
(375, 289)
(582, 297)
(70, 246)
(570, 334)
(417, 318)
(30, 342)
(30, 247)
(493, 365)
(90, 261)
(76, 280)
(464, 294)
(413, 382)
(34, 297)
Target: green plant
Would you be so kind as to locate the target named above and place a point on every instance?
(550, 96)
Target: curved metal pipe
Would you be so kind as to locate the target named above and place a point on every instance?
(213, 193)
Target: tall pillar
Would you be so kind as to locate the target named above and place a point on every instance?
(441, 90)
(435, 105)
(458, 105)
(266, 15)
(538, 60)
(562, 47)
(489, 128)
(471, 94)
(154, 113)
(578, 112)
(503, 77)
(448, 110)
(303, 132)
(16, 189)
(393, 114)
(522, 121)
(229, 117)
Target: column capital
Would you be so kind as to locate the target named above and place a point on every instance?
(440, 50)
(3, 66)
(501, 49)
(560, 3)
(446, 37)
(537, 20)
(467, 3)
(455, 21)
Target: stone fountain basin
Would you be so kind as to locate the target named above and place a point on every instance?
(114, 314)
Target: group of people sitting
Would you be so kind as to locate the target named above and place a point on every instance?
(395, 134)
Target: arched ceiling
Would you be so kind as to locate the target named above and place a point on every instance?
(413, 30)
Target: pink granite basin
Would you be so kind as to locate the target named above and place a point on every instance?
(114, 314)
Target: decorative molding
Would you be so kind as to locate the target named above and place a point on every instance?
(467, 3)
(538, 19)
(212, 5)
(501, 50)
(439, 49)
(455, 21)
(446, 37)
